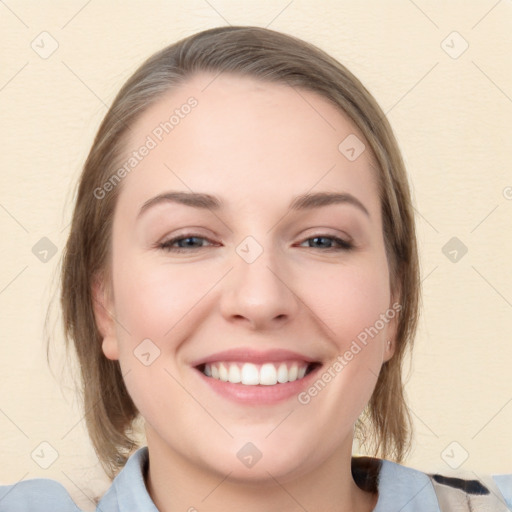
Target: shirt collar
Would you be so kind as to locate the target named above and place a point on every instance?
(405, 489)
(128, 490)
(400, 488)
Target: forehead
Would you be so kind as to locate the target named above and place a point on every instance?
(251, 138)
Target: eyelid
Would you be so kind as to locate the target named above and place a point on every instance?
(343, 244)
(328, 232)
(188, 233)
(168, 241)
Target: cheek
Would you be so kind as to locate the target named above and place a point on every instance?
(154, 301)
(348, 299)
(351, 302)
(153, 298)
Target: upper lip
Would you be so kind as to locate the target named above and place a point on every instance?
(250, 355)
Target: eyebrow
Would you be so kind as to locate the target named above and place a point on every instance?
(210, 202)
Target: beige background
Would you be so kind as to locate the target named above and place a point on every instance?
(453, 120)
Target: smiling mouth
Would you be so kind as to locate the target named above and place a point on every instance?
(250, 374)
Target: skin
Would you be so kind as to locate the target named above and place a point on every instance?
(255, 145)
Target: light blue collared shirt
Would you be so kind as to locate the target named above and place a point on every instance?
(400, 489)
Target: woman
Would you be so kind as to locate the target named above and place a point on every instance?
(242, 273)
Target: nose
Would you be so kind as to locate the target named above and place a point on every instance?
(259, 294)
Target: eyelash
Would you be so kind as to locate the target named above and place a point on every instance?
(167, 245)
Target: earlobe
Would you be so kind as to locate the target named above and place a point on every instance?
(110, 348)
(390, 350)
(390, 347)
(103, 314)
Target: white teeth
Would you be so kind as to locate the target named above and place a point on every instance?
(268, 375)
(234, 374)
(282, 373)
(293, 373)
(249, 374)
(223, 373)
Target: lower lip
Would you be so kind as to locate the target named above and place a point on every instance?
(259, 394)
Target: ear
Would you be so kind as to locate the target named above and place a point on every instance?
(393, 313)
(389, 349)
(103, 306)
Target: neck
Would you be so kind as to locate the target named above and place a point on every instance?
(175, 484)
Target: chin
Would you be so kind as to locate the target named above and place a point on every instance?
(262, 461)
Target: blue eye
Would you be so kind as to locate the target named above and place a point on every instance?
(343, 245)
(191, 242)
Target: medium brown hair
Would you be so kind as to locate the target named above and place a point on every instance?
(385, 426)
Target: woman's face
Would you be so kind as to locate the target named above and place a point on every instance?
(255, 282)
